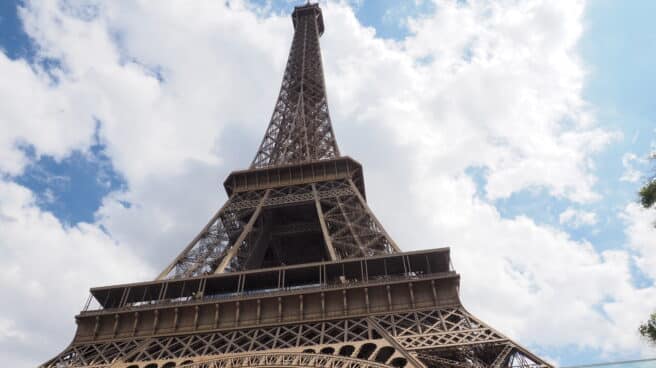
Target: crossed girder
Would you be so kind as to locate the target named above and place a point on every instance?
(239, 236)
(451, 338)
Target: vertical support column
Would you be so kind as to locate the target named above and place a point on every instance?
(196, 308)
(258, 314)
(412, 294)
(323, 305)
(176, 313)
(155, 321)
(86, 305)
(96, 327)
(216, 315)
(124, 297)
(136, 323)
(389, 297)
(115, 328)
(162, 290)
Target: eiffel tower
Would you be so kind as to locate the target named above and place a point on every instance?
(294, 270)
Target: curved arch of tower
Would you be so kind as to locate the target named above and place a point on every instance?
(294, 270)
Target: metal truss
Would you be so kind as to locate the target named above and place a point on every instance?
(454, 338)
(203, 255)
(352, 228)
(286, 360)
(349, 228)
(218, 343)
(441, 327)
(300, 128)
(446, 337)
(300, 131)
(484, 356)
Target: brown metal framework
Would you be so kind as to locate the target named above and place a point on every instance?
(300, 128)
(294, 270)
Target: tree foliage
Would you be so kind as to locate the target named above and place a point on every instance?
(648, 194)
(647, 199)
(648, 329)
(648, 191)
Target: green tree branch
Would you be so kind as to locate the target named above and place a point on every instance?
(648, 194)
(648, 329)
(648, 191)
(647, 199)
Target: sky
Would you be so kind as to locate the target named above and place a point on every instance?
(515, 132)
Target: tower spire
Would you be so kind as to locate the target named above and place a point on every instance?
(300, 129)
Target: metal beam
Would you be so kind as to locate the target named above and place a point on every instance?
(193, 242)
(232, 251)
(373, 217)
(322, 222)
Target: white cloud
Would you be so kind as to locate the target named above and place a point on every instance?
(641, 234)
(9, 332)
(565, 291)
(630, 174)
(33, 112)
(46, 271)
(501, 88)
(577, 218)
(489, 84)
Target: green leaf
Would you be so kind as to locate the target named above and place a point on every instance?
(648, 194)
(648, 329)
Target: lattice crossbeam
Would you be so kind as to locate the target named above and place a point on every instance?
(231, 342)
(349, 225)
(286, 360)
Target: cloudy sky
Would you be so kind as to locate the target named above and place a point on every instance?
(515, 132)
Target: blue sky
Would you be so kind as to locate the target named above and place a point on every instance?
(71, 188)
(617, 50)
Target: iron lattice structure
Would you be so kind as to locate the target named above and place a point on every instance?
(294, 270)
(300, 128)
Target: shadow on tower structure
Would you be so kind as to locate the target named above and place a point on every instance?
(294, 270)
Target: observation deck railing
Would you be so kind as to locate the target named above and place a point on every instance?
(273, 292)
(275, 281)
